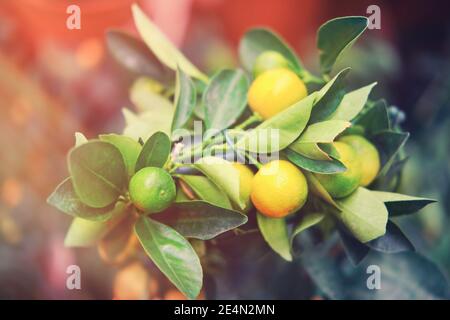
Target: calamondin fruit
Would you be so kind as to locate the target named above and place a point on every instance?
(368, 155)
(275, 90)
(152, 189)
(279, 188)
(342, 184)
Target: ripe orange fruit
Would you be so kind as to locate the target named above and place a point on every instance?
(275, 90)
(279, 188)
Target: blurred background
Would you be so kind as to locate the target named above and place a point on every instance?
(55, 81)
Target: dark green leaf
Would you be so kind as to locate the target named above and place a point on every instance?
(318, 166)
(355, 250)
(185, 100)
(201, 220)
(375, 119)
(98, 173)
(404, 276)
(256, 41)
(275, 233)
(393, 241)
(401, 204)
(388, 144)
(225, 99)
(172, 254)
(324, 272)
(155, 151)
(134, 55)
(329, 97)
(66, 200)
(128, 147)
(336, 35)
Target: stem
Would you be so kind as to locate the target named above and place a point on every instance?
(253, 161)
(255, 117)
(310, 78)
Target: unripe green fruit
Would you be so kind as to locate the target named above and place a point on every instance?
(269, 60)
(340, 185)
(152, 189)
(368, 155)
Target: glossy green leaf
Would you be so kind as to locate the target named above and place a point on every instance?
(201, 220)
(336, 35)
(66, 200)
(375, 119)
(307, 220)
(256, 41)
(276, 235)
(224, 175)
(280, 131)
(363, 214)
(393, 241)
(86, 233)
(134, 55)
(329, 97)
(155, 151)
(185, 100)
(388, 144)
(352, 103)
(401, 204)
(128, 147)
(172, 254)
(206, 190)
(161, 46)
(98, 173)
(225, 99)
(312, 165)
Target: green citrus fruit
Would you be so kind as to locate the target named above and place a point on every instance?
(269, 60)
(275, 90)
(152, 189)
(368, 155)
(279, 188)
(340, 185)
